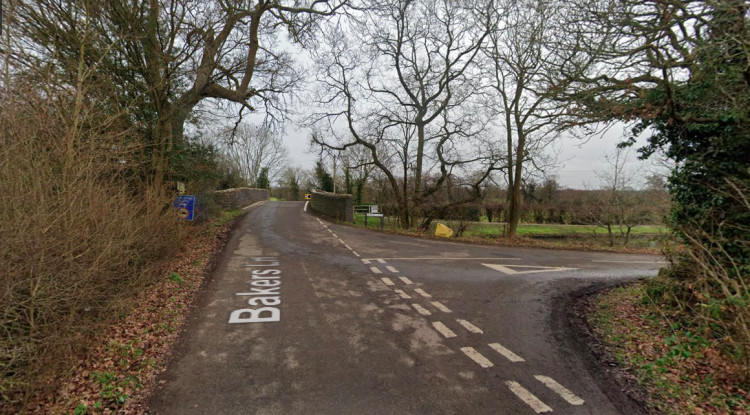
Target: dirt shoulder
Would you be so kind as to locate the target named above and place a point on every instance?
(121, 371)
(663, 365)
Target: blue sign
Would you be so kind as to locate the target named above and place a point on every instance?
(185, 206)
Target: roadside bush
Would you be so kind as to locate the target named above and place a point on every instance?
(80, 234)
(708, 280)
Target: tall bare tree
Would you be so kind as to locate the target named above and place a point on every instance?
(522, 62)
(399, 81)
(164, 57)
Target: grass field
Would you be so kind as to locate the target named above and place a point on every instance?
(484, 229)
(650, 237)
(496, 229)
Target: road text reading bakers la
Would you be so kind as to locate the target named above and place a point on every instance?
(265, 290)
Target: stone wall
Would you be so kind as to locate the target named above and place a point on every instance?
(239, 197)
(336, 206)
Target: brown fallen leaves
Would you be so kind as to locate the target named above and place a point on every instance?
(120, 371)
(676, 367)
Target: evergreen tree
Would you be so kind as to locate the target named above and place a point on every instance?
(324, 180)
(263, 182)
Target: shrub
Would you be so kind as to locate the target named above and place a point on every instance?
(80, 235)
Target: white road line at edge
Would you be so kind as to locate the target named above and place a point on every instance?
(376, 270)
(441, 307)
(422, 293)
(468, 326)
(406, 280)
(443, 329)
(630, 262)
(402, 294)
(390, 268)
(526, 396)
(560, 390)
(421, 310)
(506, 353)
(477, 357)
(387, 281)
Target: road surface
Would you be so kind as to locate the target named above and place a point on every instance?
(304, 316)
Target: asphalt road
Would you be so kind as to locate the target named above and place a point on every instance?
(358, 322)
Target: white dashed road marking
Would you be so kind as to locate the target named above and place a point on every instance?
(387, 281)
(526, 396)
(306, 203)
(405, 280)
(441, 307)
(560, 390)
(355, 253)
(376, 270)
(506, 353)
(365, 261)
(402, 294)
(421, 310)
(334, 235)
(422, 293)
(443, 329)
(390, 268)
(427, 258)
(381, 260)
(468, 326)
(477, 357)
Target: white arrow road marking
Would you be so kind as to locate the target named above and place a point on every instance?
(421, 310)
(560, 390)
(468, 326)
(535, 269)
(506, 353)
(443, 329)
(441, 307)
(387, 281)
(405, 280)
(526, 396)
(477, 357)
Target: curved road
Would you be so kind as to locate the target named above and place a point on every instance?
(357, 322)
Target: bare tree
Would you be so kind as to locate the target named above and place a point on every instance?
(251, 149)
(357, 167)
(163, 57)
(522, 61)
(618, 207)
(399, 82)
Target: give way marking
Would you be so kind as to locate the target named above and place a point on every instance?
(525, 269)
